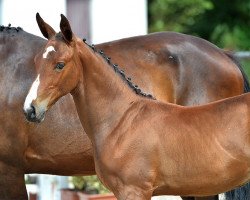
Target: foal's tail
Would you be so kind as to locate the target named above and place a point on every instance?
(241, 193)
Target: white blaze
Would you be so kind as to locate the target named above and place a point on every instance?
(32, 95)
(49, 49)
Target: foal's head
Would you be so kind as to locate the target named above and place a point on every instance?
(58, 70)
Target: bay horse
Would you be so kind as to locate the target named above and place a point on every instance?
(142, 147)
(56, 147)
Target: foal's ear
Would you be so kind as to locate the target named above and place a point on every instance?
(66, 29)
(46, 29)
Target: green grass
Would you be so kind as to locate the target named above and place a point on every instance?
(246, 66)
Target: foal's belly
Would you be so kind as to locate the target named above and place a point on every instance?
(205, 186)
(207, 180)
(199, 169)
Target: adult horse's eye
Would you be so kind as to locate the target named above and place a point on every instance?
(60, 66)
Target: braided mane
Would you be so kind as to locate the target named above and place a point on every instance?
(9, 28)
(117, 70)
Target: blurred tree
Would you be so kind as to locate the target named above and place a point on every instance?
(227, 24)
(224, 23)
(88, 184)
(175, 15)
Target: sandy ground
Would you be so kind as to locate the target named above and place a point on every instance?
(221, 197)
(166, 198)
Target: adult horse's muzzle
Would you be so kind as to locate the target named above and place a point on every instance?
(34, 115)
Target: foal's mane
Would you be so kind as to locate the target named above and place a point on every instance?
(10, 29)
(119, 71)
(115, 67)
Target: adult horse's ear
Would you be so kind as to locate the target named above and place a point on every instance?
(46, 29)
(66, 29)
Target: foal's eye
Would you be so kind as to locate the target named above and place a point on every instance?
(60, 66)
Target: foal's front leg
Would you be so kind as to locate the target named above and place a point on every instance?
(187, 198)
(133, 194)
(130, 191)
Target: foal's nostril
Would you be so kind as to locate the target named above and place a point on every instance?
(32, 112)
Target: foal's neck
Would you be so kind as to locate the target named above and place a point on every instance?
(101, 97)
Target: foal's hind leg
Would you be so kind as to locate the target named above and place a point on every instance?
(216, 197)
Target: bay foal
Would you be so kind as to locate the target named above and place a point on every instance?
(141, 146)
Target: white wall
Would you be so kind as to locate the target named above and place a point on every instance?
(115, 19)
(23, 13)
(49, 186)
(110, 19)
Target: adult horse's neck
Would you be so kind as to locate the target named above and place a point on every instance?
(100, 87)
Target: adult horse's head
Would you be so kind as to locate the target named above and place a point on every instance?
(57, 69)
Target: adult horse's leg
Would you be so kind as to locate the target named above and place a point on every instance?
(12, 148)
(12, 185)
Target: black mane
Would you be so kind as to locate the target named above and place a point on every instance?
(10, 29)
(119, 71)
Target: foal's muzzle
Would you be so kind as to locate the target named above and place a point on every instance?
(32, 116)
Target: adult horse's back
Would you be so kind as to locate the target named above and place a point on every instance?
(173, 67)
(180, 68)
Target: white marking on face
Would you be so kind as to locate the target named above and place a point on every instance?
(32, 95)
(48, 50)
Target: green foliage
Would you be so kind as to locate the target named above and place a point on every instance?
(225, 23)
(246, 67)
(175, 15)
(89, 184)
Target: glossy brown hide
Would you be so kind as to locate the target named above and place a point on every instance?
(143, 146)
(58, 145)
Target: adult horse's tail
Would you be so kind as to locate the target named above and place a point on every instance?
(241, 193)
(245, 78)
